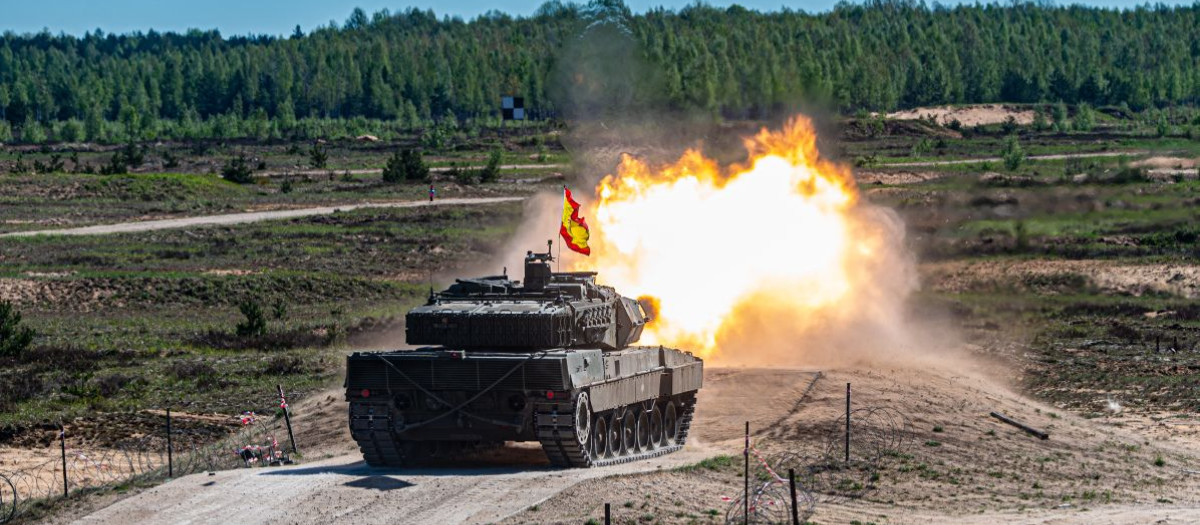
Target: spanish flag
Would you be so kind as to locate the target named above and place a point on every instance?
(574, 229)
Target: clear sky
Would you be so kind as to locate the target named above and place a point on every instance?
(278, 17)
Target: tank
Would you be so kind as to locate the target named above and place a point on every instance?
(550, 360)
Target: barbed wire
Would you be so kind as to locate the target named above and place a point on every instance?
(824, 475)
(141, 459)
(8, 500)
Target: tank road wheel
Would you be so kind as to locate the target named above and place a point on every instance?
(615, 442)
(643, 430)
(670, 424)
(583, 420)
(656, 427)
(629, 433)
(600, 442)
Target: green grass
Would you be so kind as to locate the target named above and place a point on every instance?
(718, 462)
(144, 322)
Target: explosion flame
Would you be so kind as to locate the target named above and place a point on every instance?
(782, 242)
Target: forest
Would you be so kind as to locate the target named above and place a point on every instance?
(405, 70)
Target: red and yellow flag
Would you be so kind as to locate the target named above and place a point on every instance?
(574, 229)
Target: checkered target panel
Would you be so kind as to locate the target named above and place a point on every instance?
(512, 108)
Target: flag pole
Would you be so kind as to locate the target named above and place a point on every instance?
(558, 259)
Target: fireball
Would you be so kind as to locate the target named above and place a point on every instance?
(782, 239)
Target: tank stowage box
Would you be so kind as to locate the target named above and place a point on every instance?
(546, 360)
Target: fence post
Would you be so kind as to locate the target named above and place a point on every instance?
(795, 511)
(287, 417)
(607, 514)
(746, 479)
(847, 422)
(170, 448)
(62, 441)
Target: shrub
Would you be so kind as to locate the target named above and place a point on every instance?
(393, 171)
(285, 365)
(1021, 236)
(1060, 117)
(1039, 121)
(191, 370)
(1085, 118)
(405, 165)
(1130, 175)
(437, 137)
(14, 338)
(112, 384)
(1012, 153)
(1009, 126)
(317, 156)
(279, 309)
(1163, 127)
(54, 165)
(255, 323)
(129, 156)
(921, 147)
(491, 171)
(462, 176)
(237, 170)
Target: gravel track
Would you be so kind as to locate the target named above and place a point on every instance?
(241, 218)
(345, 490)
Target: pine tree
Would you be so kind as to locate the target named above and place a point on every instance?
(14, 338)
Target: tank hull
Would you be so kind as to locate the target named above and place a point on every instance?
(586, 406)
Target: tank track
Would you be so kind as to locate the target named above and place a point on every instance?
(555, 431)
(557, 434)
(380, 449)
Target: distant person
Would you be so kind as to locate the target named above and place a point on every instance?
(431, 192)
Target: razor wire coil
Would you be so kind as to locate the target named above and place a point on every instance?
(823, 475)
(141, 459)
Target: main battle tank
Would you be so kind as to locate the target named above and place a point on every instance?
(547, 360)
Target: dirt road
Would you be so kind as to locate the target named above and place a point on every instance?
(434, 169)
(239, 218)
(1059, 156)
(490, 488)
(344, 490)
(962, 466)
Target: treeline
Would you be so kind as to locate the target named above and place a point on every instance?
(412, 68)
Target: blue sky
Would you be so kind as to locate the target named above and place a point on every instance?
(276, 17)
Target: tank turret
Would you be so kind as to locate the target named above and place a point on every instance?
(548, 310)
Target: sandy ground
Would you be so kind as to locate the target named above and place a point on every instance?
(961, 465)
(967, 115)
(1179, 279)
(240, 218)
(981, 471)
(1179, 163)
